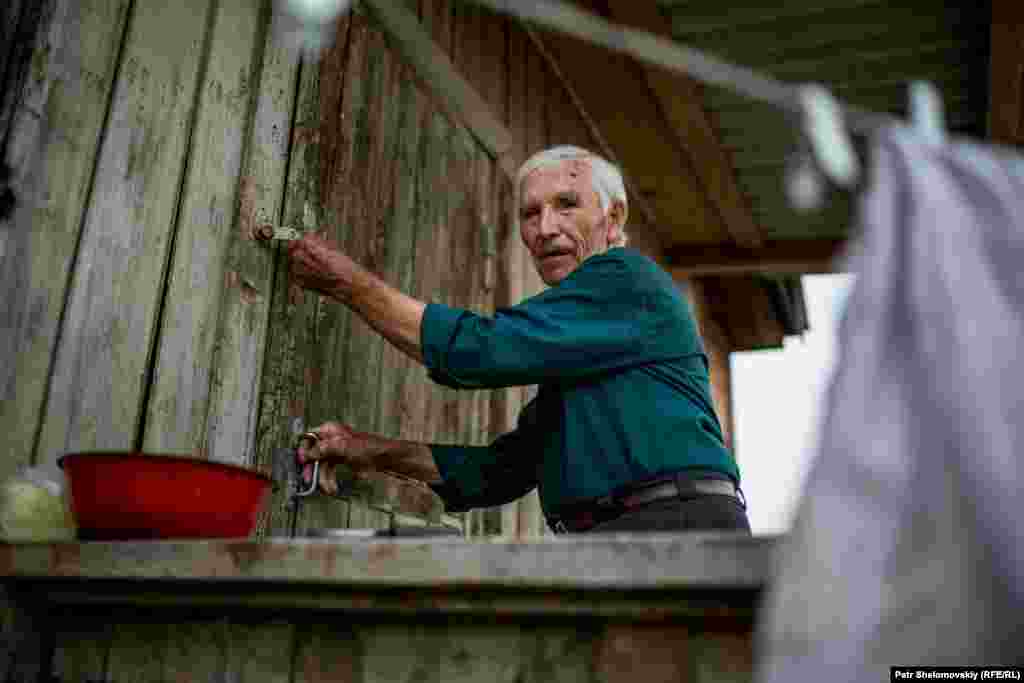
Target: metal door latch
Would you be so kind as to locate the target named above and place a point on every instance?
(267, 233)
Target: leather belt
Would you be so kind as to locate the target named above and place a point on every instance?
(680, 487)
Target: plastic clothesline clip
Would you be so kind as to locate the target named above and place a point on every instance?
(926, 113)
(825, 150)
(826, 132)
(805, 187)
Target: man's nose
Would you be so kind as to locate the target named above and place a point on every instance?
(548, 223)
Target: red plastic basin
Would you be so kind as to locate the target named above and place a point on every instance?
(126, 496)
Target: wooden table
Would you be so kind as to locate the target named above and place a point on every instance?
(599, 608)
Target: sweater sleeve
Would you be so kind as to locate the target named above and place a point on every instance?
(602, 317)
(485, 476)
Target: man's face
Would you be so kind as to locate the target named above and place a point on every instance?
(560, 219)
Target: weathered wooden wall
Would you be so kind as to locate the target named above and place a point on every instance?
(266, 648)
(602, 610)
(145, 141)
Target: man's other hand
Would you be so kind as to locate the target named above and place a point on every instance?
(335, 444)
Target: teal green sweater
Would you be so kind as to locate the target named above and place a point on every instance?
(623, 394)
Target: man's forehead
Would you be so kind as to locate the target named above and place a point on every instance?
(568, 174)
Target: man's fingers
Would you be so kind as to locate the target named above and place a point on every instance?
(328, 482)
(309, 447)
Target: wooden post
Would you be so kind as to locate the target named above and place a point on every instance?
(1006, 106)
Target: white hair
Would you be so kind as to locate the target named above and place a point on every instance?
(605, 177)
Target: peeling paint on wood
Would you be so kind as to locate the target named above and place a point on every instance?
(51, 179)
(137, 652)
(241, 359)
(233, 430)
(450, 88)
(195, 651)
(400, 653)
(400, 266)
(101, 362)
(327, 653)
(292, 314)
(176, 419)
(190, 640)
(372, 185)
(258, 651)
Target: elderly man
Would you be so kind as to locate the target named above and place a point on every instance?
(622, 435)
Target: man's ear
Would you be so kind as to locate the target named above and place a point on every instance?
(617, 215)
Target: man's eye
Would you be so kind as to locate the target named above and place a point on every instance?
(567, 202)
(528, 214)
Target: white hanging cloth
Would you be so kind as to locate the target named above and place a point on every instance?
(908, 548)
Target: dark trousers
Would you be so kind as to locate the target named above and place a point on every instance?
(704, 513)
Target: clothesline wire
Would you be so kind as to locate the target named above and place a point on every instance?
(670, 55)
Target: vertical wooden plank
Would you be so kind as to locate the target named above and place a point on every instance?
(361, 211)
(565, 125)
(137, 652)
(362, 516)
(75, 59)
(260, 652)
(409, 254)
(492, 653)
(101, 361)
(322, 512)
(10, 16)
(469, 180)
(650, 652)
(401, 653)
(341, 133)
(518, 44)
(344, 363)
(24, 640)
(81, 647)
(435, 199)
(179, 398)
(195, 651)
(388, 240)
(370, 184)
(284, 387)
(494, 40)
(1006, 106)
(563, 653)
(466, 47)
(464, 250)
(722, 657)
(472, 176)
(237, 366)
(399, 266)
(19, 24)
(490, 67)
(327, 653)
